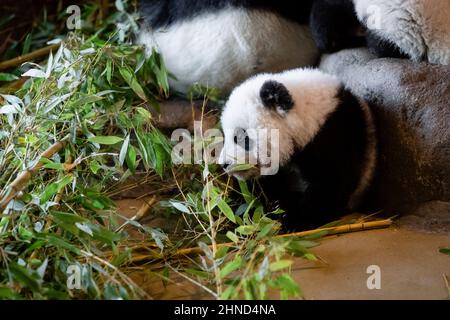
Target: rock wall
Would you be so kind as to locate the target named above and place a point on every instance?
(411, 106)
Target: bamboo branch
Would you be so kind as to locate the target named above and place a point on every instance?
(23, 178)
(17, 61)
(380, 224)
(143, 211)
(447, 284)
(330, 231)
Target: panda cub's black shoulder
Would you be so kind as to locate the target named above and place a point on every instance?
(160, 13)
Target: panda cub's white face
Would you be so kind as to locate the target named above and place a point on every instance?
(269, 115)
(254, 133)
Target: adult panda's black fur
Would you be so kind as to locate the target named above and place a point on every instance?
(327, 143)
(220, 43)
(334, 25)
(160, 13)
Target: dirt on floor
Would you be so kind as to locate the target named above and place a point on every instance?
(409, 264)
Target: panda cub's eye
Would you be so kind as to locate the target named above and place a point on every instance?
(242, 139)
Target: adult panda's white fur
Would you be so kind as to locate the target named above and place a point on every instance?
(420, 28)
(322, 127)
(221, 47)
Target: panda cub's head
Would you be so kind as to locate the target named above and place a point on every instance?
(270, 116)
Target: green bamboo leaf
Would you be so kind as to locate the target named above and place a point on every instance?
(246, 230)
(9, 294)
(25, 234)
(287, 284)
(129, 76)
(226, 210)
(230, 267)
(24, 276)
(248, 197)
(124, 150)
(106, 140)
(109, 71)
(198, 273)
(49, 192)
(241, 167)
(95, 166)
(228, 293)
(265, 231)
(58, 242)
(131, 158)
(7, 77)
(180, 207)
(232, 236)
(144, 113)
(69, 218)
(279, 265)
(48, 164)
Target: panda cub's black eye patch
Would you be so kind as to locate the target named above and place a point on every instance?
(242, 139)
(274, 95)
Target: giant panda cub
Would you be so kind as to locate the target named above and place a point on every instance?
(220, 43)
(414, 29)
(326, 145)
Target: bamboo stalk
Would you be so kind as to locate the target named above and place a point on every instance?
(143, 211)
(446, 284)
(380, 224)
(23, 178)
(330, 231)
(27, 57)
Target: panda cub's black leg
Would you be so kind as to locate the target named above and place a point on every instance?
(335, 26)
(383, 48)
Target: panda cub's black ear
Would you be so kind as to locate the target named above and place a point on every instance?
(275, 95)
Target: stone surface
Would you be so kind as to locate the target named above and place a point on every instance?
(411, 105)
(410, 263)
(411, 266)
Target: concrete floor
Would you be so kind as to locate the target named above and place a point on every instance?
(410, 263)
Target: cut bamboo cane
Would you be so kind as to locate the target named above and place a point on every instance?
(330, 231)
(17, 61)
(144, 209)
(380, 224)
(22, 179)
(447, 284)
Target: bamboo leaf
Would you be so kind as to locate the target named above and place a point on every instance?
(124, 150)
(7, 77)
(233, 237)
(180, 207)
(230, 267)
(226, 210)
(106, 140)
(279, 265)
(129, 76)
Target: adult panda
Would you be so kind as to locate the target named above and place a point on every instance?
(414, 29)
(219, 43)
(326, 145)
